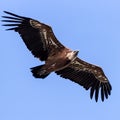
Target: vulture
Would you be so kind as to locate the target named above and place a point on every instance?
(43, 44)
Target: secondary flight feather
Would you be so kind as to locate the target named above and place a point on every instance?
(41, 41)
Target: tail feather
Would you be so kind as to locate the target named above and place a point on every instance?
(38, 72)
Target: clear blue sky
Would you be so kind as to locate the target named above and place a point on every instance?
(90, 26)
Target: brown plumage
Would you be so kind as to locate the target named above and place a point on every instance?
(41, 41)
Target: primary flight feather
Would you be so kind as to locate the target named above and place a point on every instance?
(41, 41)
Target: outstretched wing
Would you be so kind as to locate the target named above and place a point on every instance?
(38, 37)
(89, 76)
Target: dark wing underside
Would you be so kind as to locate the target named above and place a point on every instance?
(89, 76)
(38, 37)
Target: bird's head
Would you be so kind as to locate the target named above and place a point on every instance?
(72, 55)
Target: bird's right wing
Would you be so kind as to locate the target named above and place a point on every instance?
(38, 37)
(89, 76)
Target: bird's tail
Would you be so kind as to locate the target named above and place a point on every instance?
(39, 72)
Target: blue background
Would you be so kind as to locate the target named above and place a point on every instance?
(90, 26)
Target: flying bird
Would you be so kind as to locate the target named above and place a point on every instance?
(43, 44)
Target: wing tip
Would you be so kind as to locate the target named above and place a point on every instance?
(5, 11)
(104, 88)
(15, 15)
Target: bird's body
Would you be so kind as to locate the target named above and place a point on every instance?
(60, 60)
(41, 41)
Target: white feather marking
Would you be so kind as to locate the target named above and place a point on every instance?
(45, 34)
(52, 42)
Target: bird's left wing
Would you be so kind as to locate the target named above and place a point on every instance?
(89, 76)
(38, 37)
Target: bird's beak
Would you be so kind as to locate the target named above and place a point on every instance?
(76, 52)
